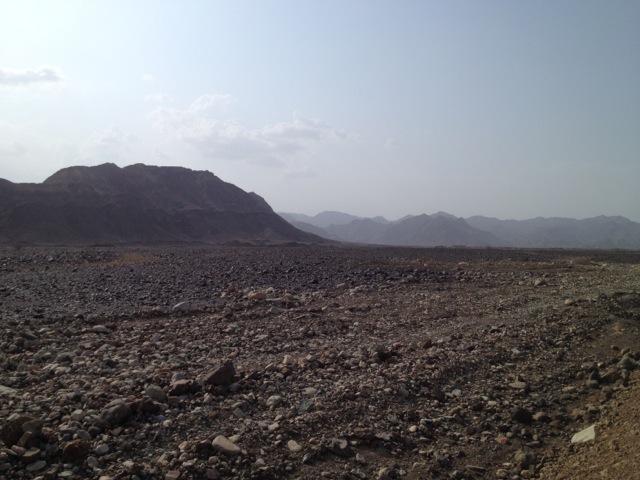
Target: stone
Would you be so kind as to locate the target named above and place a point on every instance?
(172, 475)
(31, 455)
(102, 449)
(222, 375)
(182, 387)
(521, 415)
(258, 296)
(100, 329)
(274, 401)
(294, 446)
(518, 385)
(628, 363)
(310, 392)
(586, 435)
(8, 391)
(76, 450)
(33, 426)
(226, 446)
(146, 405)
(36, 466)
(154, 392)
(12, 431)
(117, 414)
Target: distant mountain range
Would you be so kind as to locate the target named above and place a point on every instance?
(443, 229)
(107, 204)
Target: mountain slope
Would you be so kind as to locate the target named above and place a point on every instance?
(137, 204)
(421, 230)
(444, 229)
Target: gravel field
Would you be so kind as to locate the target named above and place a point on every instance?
(302, 362)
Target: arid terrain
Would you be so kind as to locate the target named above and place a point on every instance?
(303, 362)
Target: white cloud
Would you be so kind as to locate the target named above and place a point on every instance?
(15, 77)
(109, 146)
(203, 126)
(147, 77)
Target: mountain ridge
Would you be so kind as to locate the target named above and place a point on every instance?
(444, 229)
(107, 204)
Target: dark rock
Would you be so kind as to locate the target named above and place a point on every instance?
(76, 450)
(12, 431)
(182, 387)
(522, 415)
(223, 375)
(116, 414)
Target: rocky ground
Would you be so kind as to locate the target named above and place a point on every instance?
(318, 362)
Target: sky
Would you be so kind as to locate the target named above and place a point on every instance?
(506, 109)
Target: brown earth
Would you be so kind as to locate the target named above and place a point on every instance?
(318, 362)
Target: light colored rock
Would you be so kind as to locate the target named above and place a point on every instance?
(274, 401)
(309, 392)
(172, 475)
(226, 446)
(100, 329)
(294, 446)
(102, 449)
(586, 435)
(8, 391)
(31, 455)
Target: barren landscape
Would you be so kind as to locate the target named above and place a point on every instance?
(305, 362)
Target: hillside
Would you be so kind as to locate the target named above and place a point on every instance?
(107, 204)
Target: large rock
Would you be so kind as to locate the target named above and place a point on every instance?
(13, 430)
(586, 435)
(182, 387)
(76, 450)
(223, 375)
(116, 414)
(226, 446)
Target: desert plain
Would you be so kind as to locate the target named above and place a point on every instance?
(306, 362)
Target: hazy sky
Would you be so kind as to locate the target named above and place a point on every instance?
(510, 109)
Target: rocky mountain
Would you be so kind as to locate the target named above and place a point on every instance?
(447, 230)
(107, 204)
